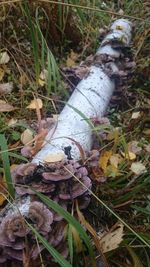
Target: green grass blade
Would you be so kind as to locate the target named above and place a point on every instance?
(15, 155)
(6, 165)
(34, 38)
(70, 243)
(49, 78)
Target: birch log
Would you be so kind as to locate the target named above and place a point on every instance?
(90, 98)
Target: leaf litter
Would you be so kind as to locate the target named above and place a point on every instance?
(114, 159)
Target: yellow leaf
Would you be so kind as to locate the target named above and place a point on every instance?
(71, 59)
(35, 103)
(74, 55)
(138, 168)
(104, 158)
(129, 155)
(2, 198)
(114, 134)
(111, 240)
(26, 136)
(50, 158)
(147, 132)
(4, 58)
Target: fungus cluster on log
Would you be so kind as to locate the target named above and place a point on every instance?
(58, 180)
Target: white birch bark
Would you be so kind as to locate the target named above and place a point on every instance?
(90, 97)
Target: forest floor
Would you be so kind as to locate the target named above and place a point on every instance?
(32, 46)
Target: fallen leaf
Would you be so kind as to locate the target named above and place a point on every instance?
(37, 102)
(104, 158)
(12, 122)
(114, 134)
(4, 58)
(129, 155)
(6, 88)
(54, 157)
(43, 77)
(39, 140)
(71, 59)
(138, 168)
(26, 136)
(147, 132)
(135, 115)
(134, 148)
(111, 240)
(5, 107)
(3, 197)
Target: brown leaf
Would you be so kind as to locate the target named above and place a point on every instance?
(35, 103)
(71, 59)
(26, 136)
(5, 107)
(112, 239)
(6, 88)
(39, 139)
